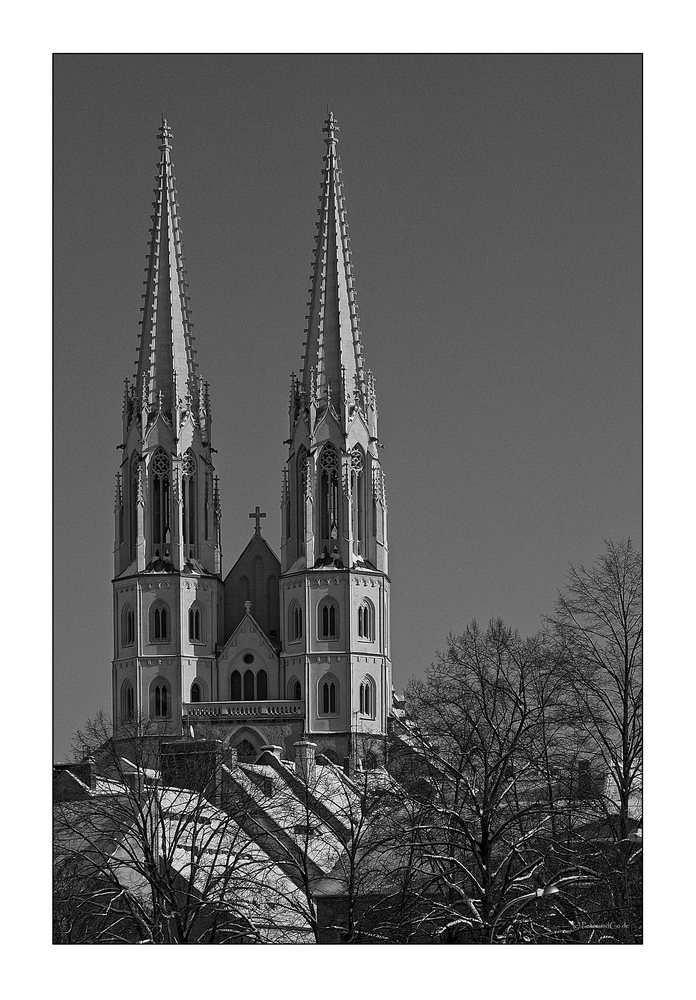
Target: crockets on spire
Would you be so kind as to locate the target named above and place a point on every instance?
(166, 366)
(333, 363)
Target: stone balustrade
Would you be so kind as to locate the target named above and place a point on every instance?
(242, 709)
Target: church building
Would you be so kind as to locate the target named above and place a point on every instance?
(279, 649)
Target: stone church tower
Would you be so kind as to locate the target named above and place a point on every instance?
(334, 585)
(168, 592)
(282, 649)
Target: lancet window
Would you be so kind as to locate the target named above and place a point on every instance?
(328, 494)
(195, 623)
(300, 494)
(188, 489)
(357, 488)
(328, 696)
(127, 702)
(367, 698)
(127, 626)
(159, 622)
(327, 619)
(160, 699)
(295, 623)
(160, 472)
(366, 620)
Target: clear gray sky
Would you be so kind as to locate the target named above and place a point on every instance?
(494, 205)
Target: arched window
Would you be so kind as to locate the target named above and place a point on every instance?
(327, 619)
(300, 493)
(328, 495)
(248, 685)
(134, 485)
(235, 686)
(196, 623)
(160, 699)
(160, 476)
(262, 685)
(196, 692)
(295, 629)
(127, 702)
(366, 620)
(367, 698)
(357, 489)
(159, 622)
(328, 695)
(127, 626)
(188, 490)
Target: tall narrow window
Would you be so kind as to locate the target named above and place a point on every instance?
(127, 702)
(127, 626)
(196, 691)
(328, 496)
(298, 691)
(366, 621)
(295, 622)
(367, 698)
(329, 697)
(300, 493)
(235, 686)
(133, 504)
(160, 699)
(188, 488)
(328, 619)
(248, 685)
(262, 685)
(161, 498)
(357, 474)
(195, 623)
(159, 622)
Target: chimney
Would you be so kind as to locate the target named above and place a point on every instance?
(276, 751)
(306, 761)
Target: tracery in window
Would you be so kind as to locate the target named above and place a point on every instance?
(328, 494)
(357, 488)
(188, 488)
(160, 472)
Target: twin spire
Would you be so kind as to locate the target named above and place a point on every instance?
(333, 362)
(166, 366)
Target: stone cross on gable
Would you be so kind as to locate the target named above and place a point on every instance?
(257, 514)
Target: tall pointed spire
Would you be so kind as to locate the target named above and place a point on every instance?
(166, 366)
(333, 348)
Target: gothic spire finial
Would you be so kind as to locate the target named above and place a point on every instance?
(165, 134)
(330, 127)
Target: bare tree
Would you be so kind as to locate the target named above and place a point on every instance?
(147, 855)
(487, 736)
(598, 630)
